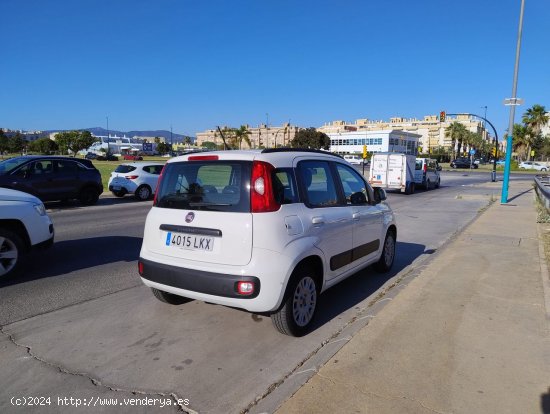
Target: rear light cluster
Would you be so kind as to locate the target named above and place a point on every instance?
(425, 167)
(131, 177)
(245, 288)
(158, 186)
(262, 196)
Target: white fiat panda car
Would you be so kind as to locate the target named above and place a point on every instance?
(266, 231)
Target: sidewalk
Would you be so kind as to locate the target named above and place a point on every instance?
(470, 334)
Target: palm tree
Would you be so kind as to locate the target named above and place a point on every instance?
(456, 131)
(534, 119)
(520, 139)
(240, 135)
(187, 141)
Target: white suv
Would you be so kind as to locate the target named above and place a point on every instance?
(138, 178)
(266, 231)
(24, 225)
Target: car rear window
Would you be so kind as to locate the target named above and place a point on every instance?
(124, 168)
(206, 185)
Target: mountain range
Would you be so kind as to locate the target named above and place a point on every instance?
(98, 131)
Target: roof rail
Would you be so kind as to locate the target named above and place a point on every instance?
(310, 150)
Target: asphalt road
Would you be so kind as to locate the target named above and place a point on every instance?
(80, 307)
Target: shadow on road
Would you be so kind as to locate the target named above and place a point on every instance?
(73, 255)
(103, 201)
(363, 284)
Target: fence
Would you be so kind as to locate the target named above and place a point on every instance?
(542, 187)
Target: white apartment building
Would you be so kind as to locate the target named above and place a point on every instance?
(431, 132)
(262, 136)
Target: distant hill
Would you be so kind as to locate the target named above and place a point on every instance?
(159, 133)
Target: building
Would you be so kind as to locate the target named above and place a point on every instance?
(430, 130)
(351, 142)
(263, 136)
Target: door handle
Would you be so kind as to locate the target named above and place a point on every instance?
(318, 220)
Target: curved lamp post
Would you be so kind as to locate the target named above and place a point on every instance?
(494, 172)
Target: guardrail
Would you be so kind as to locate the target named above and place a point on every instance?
(542, 187)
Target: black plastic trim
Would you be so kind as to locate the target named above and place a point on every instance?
(216, 284)
(308, 150)
(349, 256)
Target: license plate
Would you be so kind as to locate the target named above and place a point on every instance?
(190, 241)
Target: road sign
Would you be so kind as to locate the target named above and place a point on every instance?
(513, 101)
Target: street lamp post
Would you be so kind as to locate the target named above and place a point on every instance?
(513, 103)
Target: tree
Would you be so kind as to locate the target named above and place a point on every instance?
(163, 148)
(209, 145)
(74, 141)
(456, 131)
(534, 119)
(17, 143)
(43, 146)
(239, 135)
(310, 138)
(187, 141)
(4, 142)
(520, 139)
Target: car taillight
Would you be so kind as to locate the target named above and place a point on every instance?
(140, 268)
(158, 186)
(262, 197)
(131, 177)
(245, 288)
(425, 167)
(203, 158)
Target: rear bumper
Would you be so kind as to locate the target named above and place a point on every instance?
(209, 283)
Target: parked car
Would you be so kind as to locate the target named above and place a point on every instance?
(531, 165)
(463, 163)
(353, 159)
(24, 225)
(130, 157)
(91, 156)
(108, 157)
(52, 178)
(263, 230)
(138, 178)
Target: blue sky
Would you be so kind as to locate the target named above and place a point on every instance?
(197, 64)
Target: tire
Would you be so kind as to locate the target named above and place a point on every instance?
(169, 298)
(428, 185)
(143, 192)
(88, 196)
(120, 193)
(543, 169)
(388, 253)
(409, 189)
(297, 312)
(438, 183)
(12, 248)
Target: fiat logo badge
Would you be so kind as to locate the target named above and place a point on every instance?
(189, 217)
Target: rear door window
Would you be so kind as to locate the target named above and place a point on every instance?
(212, 186)
(123, 169)
(318, 184)
(284, 186)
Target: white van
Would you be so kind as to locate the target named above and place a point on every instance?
(427, 173)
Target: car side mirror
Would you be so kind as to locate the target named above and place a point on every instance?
(379, 195)
(358, 198)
